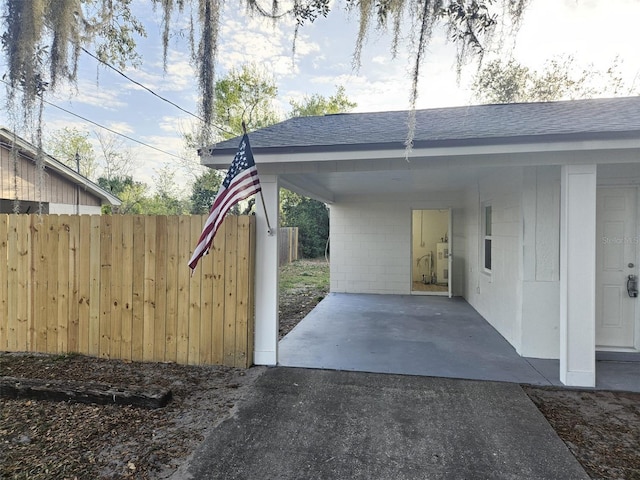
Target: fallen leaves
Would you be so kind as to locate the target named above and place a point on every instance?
(43, 440)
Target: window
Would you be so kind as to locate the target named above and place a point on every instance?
(486, 237)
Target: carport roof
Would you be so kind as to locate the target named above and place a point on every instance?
(613, 118)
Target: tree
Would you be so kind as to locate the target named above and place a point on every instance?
(319, 105)
(204, 191)
(115, 155)
(166, 200)
(64, 144)
(245, 95)
(130, 193)
(312, 219)
(560, 79)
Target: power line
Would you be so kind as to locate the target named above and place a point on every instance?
(102, 126)
(135, 82)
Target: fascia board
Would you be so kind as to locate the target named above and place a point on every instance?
(391, 158)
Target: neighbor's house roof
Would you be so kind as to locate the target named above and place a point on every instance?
(27, 150)
(576, 120)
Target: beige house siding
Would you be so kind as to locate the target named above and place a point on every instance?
(23, 180)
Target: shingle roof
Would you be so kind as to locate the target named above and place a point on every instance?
(480, 124)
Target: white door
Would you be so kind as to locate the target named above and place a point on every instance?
(450, 254)
(616, 259)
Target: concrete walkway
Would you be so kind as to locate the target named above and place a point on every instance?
(426, 335)
(317, 424)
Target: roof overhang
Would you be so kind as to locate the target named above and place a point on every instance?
(336, 172)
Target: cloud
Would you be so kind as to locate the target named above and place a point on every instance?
(86, 92)
(257, 40)
(121, 127)
(179, 76)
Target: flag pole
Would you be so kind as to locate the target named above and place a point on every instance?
(264, 205)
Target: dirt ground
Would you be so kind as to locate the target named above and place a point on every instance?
(61, 440)
(601, 429)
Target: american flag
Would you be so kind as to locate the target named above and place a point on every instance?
(241, 182)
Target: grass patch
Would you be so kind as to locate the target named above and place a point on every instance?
(304, 274)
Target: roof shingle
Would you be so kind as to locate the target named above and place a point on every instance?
(456, 125)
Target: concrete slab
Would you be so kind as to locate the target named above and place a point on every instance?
(613, 371)
(425, 335)
(413, 335)
(318, 424)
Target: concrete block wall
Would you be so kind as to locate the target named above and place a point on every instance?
(371, 242)
(497, 296)
(370, 247)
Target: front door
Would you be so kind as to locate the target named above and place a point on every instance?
(616, 259)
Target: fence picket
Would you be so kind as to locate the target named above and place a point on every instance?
(230, 294)
(94, 285)
(137, 326)
(38, 280)
(149, 289)
(52, 283)
(195, 228)
(84, 282)
(74, 294)
(160, 312)
(63, 275)
(126, 299)
(12, 285)
(242, 291)
(171, 292)
(217, 330)
(184, 253)
(4, 294)
(115, 300)
(105, 285)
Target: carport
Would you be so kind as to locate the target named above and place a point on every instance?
(427, 336)
(528, 230)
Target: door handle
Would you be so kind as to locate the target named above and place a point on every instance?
(632, 286)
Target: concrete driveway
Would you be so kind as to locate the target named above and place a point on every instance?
(317, 424)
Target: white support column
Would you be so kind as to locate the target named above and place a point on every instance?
(578, 275)
(266, 326)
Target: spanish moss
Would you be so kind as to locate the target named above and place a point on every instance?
(42, 39)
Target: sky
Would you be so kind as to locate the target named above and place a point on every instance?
(593, 31)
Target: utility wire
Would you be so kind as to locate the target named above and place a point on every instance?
(135, 82)
(102, 126)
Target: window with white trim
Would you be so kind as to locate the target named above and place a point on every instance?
(486, 237)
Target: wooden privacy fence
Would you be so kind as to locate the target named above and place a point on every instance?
(287, 245)
(119, 287)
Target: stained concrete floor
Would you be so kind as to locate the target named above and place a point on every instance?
(427, 336)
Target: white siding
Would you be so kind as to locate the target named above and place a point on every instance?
(541, 249)
(70, 209)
